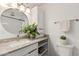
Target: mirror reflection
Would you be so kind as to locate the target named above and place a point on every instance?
(13, 19)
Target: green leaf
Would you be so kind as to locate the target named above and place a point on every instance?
(31, 30)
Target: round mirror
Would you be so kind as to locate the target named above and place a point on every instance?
(12, 20)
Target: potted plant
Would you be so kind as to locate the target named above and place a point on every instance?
(30, 30)
(63, 39)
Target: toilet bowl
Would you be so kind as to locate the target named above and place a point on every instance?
(65, 50)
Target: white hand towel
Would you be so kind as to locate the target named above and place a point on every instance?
(65, 25)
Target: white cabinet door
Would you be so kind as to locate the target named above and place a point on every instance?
(23, 51)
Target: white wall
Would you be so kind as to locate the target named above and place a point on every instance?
(34, 15)
(61, 12)
(38, 18)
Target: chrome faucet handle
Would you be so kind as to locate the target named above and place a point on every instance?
(18, 36)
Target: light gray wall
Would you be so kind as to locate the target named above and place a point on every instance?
(61, 12)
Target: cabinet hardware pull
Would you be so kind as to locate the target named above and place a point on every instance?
(31, 51)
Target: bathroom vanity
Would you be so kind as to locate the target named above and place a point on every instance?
(12, 21)
(24, 47)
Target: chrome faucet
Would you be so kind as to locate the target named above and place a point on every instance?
(18, 35)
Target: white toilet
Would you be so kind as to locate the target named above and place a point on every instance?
(65, 50)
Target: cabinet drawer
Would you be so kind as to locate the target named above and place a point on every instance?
(23, 51)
